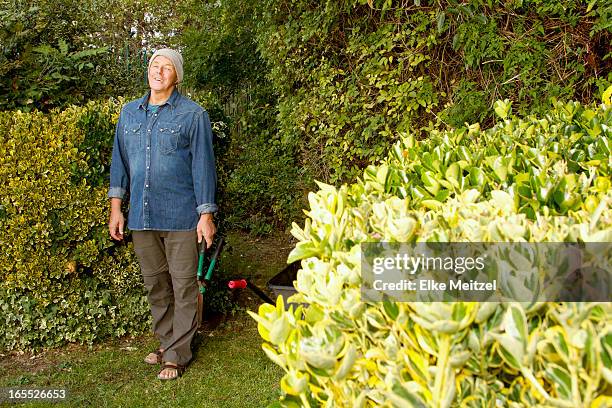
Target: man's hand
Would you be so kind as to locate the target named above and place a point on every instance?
(116, 221)
(206, 229)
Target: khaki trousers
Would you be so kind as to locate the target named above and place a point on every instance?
(168, 262)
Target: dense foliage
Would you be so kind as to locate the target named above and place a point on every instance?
(60, 52)
(538, 179)
(313, 90)
(260, 180)
(60, 281)
(320, 90)
(309, 90)
(350, 75)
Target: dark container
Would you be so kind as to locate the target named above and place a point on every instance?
(282, 283)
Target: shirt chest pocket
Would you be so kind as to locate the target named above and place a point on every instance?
(171, 137)
(132, 137)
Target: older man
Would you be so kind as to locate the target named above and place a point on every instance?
(163, 156)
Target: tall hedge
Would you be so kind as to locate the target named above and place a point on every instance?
(329, 86)
(61, 278)
(263, 188)
(532, 179)
(353, 74)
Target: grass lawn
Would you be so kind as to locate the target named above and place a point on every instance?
(229, 369)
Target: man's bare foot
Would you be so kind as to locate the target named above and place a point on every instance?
(170, 371)
(154, 357)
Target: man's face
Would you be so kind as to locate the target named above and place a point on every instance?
(162, 76)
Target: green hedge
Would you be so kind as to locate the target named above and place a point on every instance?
(320, 90)
(535, 179)
(351, 74)
(62, 279)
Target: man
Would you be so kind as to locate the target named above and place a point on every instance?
(163, 156)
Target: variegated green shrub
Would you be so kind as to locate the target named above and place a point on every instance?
(533, 180)
(61, 278)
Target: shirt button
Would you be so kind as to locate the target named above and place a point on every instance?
(145, 203)
(149, 130)
(147, 167)
(147, 186)
(148, 147)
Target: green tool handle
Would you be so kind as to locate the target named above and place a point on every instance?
(201, 260)
(211, 267)
(213, 261)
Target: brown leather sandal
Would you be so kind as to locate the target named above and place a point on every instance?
(179, 371)
(149, 359)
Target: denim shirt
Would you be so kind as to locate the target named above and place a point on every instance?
(165, 161)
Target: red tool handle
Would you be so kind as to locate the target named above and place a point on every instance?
(237, 284)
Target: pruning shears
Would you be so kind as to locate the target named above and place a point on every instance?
(203, 279)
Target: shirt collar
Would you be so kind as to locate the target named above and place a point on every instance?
(172, 100)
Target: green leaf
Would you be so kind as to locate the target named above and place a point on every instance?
(44, 49)
(503, 108)
(294, 383)
(477, 177)
(347, 363)
(515, 324)
(452, 173)
(391, 308)
(63, 47)
(500, 169)
(402, 398)
(606, 97)
(440, 17)
(274, 356)
(279, 330)
(302, 250)
(485, 310)
(430, 183)
(510, 349)
(464, 154)
(560, 379)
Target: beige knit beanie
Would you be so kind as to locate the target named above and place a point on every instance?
(175, 57)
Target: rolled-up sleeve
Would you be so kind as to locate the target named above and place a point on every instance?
(119, 179)
(203, 164)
